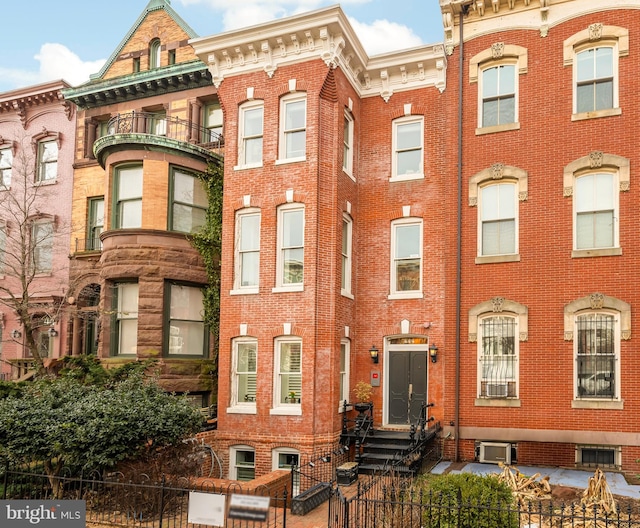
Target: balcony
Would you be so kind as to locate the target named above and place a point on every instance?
(149, 131)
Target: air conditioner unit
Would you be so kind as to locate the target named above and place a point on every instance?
(496, 390)
(494, 452)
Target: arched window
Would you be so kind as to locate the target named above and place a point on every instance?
(154, 54)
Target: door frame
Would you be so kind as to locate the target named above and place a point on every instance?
(388, 347)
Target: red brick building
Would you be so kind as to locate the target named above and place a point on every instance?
(472, 201)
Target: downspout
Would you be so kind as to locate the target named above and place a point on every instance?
(456, 418)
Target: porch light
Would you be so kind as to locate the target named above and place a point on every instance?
(52, 332)
(16, 334)
(374, 353)
(433, 353)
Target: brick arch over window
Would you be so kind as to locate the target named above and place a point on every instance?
(498, 51)
(598, 301)
(499, 305)
(45, 135)
(595, 161)
(495, 173)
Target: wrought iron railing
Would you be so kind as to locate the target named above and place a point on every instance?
(169, 127)
(88, 244)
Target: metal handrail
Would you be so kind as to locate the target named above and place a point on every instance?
(161, 125)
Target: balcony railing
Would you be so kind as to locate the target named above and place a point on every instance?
(169, 127)
(88, 244)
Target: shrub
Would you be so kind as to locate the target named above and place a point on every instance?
(470, 501)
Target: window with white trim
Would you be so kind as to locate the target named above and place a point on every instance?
(154, 54)
(499, 95)
(6, 165)
(596, 347)
(290, 246)
(347, 239)
(42, 245)
(189, 202)
(288, 373)
(345, 359)
(125, 330)
(185, 331)
(251, 132)
(347, 143)
(293, 127)
(594, 55)
(498, 219)
(244, 372)
(47, 160)
(213, 122)
(598, 456)
(247, 250)
(408, 148)
(242, 463)
(406, 257)
(497, 356)
(286, 458)
(595, 206)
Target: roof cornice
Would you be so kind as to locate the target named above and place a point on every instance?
(325, 34)
(20, 100)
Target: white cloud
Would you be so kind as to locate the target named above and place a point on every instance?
(59, 62)
(383, 36)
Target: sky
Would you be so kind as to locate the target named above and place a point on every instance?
(43, 40)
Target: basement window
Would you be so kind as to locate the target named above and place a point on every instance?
(592, 456)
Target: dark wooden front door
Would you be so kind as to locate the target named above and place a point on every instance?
(407, 386)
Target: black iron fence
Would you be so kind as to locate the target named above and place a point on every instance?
(110, 500)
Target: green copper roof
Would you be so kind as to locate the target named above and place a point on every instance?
(153, 5)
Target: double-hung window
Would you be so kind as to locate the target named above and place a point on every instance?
(47, 160)
(497, 209)
(188, 202)
(596, 356)
(290, 246)
(408, 148)
(42, 246)
(244, 374)
(347, 239)
(95, 223)
(186, 333)
(595, 209)
(345, 359)
(251, 130)
(128, 197)
(347, 144)
(212, 123)
(594, 79)
(293, 127)
(498, 95)
(243, 463)
(288, 373)
(406, 257)
(594, 54)
(247, 251)
(6, 165)
(125, 319)
(497, 356)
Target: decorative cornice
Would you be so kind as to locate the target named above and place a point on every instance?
(324, 34)
(19, 101)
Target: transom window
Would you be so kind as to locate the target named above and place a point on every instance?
(244, 372)
(406, 265)
(188, 202)
(498, 205)
(293, 127)
(187, 333)
(47, 160)
(128, 199)
(596, 356)
(595, 205)
(6, 165)
(498, 95)
(251, 134)
(408, 137)
(247, 256)
(595, 79)
(497, 356)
